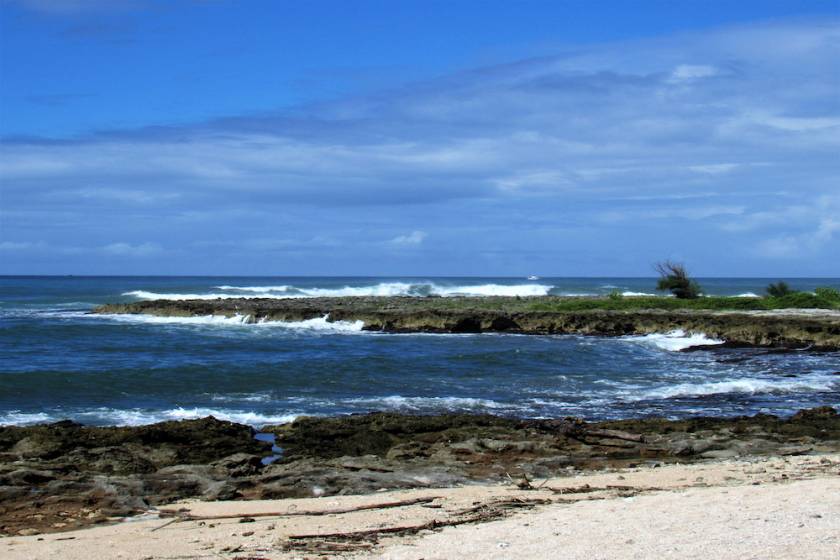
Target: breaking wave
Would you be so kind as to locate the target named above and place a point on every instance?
(743, 386)
(139, 417)
(398, 402)
(675, 341)
(380, 289)
(314, 324)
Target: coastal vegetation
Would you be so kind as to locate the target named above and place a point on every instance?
(822, 298)
(779, 289)
(673, 277)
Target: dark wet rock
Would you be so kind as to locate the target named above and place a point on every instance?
(66, 466)
(349, 475)
(529, 315)
(166, 443)
(377, 434)
(96, 473)
(238, 465)
(820, 415)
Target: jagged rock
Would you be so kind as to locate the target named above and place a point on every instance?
(522, 315)
(121, 471)
(238, 465)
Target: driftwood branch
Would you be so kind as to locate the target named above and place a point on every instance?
(476, 514)
(185, 516)
(585, 489)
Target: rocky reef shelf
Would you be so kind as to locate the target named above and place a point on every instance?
(788, 328)
(63, 476)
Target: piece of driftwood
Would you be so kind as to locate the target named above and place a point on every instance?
(327, 547)
(614, 487)
(477, 514)
(585, 489)
(186, 516)
(503, 504)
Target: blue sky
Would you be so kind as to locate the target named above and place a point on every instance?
(419, 138)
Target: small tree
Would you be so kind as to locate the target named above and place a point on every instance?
(674, 278)
(779, 289)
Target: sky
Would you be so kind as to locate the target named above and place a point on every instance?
(486, 138)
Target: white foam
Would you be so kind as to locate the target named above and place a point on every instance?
(749, 386)
(17, 418)
(322, 324)
(675, 341)
(420, 403)
(636, 294)
(493, 290)
(143, 294)
(238, 416)
(318, 324)
(139, 417)
(748, 295)
(380, 289)
(166, 320)
(256, 289)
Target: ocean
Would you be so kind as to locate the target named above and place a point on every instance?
(59, 362)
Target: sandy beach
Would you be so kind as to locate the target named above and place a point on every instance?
(779, 507)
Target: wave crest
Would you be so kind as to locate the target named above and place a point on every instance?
(675, 340)
(315, 324)
(743, 386)
(380, 289)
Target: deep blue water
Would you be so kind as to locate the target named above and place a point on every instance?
(58, 362)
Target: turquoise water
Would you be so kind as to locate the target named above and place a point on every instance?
(56, 361)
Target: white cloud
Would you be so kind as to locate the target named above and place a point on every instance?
(21, 245)
(614, 135)
(412, 239)
(690, 72)
(129, 250)
(74, 7)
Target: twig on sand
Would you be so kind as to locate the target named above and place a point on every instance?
(167, 524)
(186, 516)
(326, 542)
(585, 489)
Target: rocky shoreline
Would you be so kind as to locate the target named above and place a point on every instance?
(783, 328)
(64, 476)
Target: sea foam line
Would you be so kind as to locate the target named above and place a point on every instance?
(675, 340)
(381, 289)
(322, 324)
(140, 417)
(750, 386)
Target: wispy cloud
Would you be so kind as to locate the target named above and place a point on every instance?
(412, 239)
(650, 128)
(129, 250)
(74, 7)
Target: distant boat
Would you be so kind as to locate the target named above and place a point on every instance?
(533, 278)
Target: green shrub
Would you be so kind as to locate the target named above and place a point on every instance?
(779, 289)
(674, 278)
(801, 300)
(831, 294)
(615, 295)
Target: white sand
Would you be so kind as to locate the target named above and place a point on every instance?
(712, 510)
